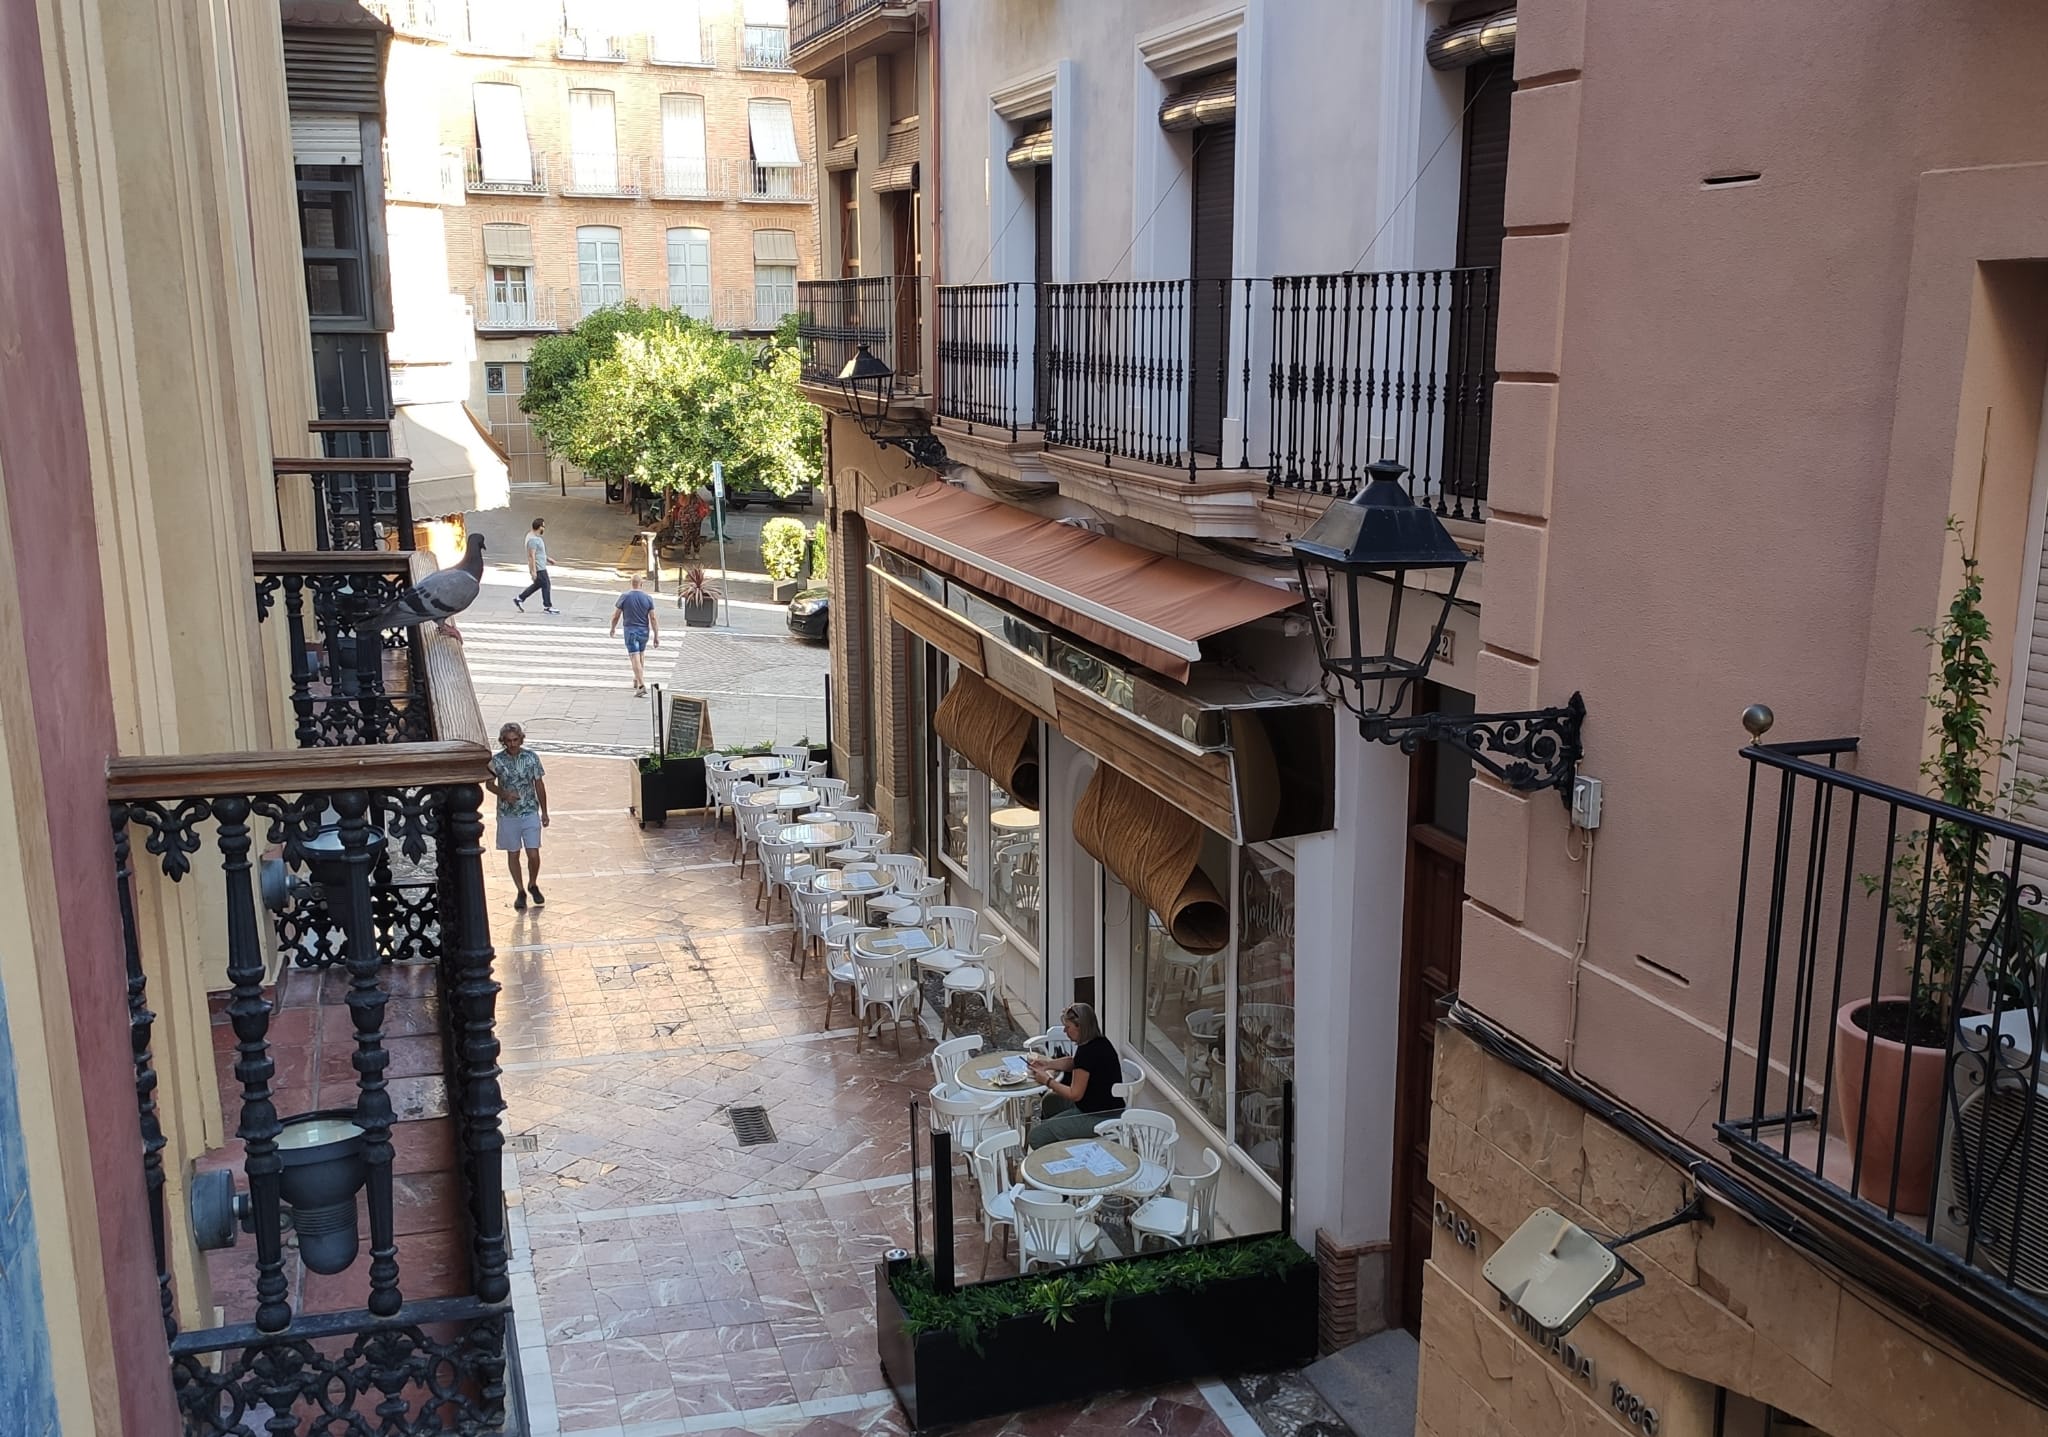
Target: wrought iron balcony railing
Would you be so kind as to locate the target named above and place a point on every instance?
(582, 45)
(358, 502)
(886, 313)
(776, 184)
(372, 879)
(1883, 1061)
(812, 20)
(1141, 369)
(752, 311)
(1384, 366)
(764, 47)
(693, 177)
(988, 354)
(505, 177)
(601, 174)
(349, 687)
(509, 307)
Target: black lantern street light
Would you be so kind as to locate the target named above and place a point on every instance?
(867, 380)
(1381, 534)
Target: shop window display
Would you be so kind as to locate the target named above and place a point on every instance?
(1265, 1002)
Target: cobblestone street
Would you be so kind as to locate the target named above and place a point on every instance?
(568, 682)
(668, 1280)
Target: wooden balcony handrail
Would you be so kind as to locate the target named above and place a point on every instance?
(324, 465)
(348, 426)
(300, 770)
(333, 561)
(451, 697)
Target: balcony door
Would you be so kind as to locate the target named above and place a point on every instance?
(1431, 920)
(909, 263)
(594, 141)
(1209, 262)
(1041, 278)
(689, 271)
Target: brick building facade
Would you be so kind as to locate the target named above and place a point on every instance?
(540, 168)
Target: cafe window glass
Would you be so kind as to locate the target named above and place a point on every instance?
(1016, 883)
(956, 799)
(1264, 987)
(1218, 1028)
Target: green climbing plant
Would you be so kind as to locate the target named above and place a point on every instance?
(783, 542)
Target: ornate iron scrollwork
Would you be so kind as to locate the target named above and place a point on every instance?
(1528, 751)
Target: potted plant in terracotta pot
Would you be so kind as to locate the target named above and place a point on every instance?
(700, 599)
(1962, 932)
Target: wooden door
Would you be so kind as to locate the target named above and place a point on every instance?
(1482, 207)
(1041, 276)
(1208, 318)
(1432, 918)
(907, 266)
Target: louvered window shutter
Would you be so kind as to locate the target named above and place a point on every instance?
(335, 70)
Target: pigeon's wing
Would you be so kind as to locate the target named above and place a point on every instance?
(439, 596)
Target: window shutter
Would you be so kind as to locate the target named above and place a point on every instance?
(1209, 265)
(689, 271)
(684, 169)
(508, 244)
(679, 33)
(2031, 761)
(899, 162)
(327, 140)
(765, 12)
(505, 156)
(773, 128)
(334, 70)
(594, 140)
(775, 246)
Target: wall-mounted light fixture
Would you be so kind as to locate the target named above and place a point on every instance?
(867, 381)
(1382, 535)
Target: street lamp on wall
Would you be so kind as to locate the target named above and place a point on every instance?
(1382, 535)
(866, 380)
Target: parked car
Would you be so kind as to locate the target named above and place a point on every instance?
(810, 614)
(737, 499)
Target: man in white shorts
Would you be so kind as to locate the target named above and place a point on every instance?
(520, 784)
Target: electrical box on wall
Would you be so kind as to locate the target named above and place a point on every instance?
(1585, 802)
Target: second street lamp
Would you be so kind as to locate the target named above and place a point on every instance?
(1381, 535)
(867, 381)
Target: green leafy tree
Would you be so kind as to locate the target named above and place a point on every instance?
(654, 396)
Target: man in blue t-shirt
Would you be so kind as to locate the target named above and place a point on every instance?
(636, 607)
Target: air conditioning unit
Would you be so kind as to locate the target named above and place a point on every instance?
(1995, 1154)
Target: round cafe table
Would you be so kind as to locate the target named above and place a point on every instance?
(893, 942)
(816, 835)
(980, 1070)
(1080, 1182)
(759, 763)
(856, 887)
(789, 800)
(1014, 820)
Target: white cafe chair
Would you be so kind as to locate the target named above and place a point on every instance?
(948, 1057)
(966, 1117)
(814, 912)
(994, 1158)
(1053, 1042)
(884, 987)
(1052, 1230)
(1151, 1135)
(840, 973)
(1133, 1083)
(1185, 1215)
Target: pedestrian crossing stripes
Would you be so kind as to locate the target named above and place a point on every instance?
(554, 652)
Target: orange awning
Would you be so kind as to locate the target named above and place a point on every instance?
(1150, 608)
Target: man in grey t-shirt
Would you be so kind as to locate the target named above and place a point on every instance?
(537, 565)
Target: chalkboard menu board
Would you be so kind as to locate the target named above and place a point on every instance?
(689, 725)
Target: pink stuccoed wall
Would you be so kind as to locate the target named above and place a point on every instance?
(1730, 424)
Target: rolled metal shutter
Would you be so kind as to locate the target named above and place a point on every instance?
(334, 70)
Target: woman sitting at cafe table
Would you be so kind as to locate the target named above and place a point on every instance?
(1080, 1088)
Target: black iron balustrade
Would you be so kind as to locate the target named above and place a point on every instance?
(812, 20)
(423, 1361)
(1393, 365)
(358, 503)
(1141, 369)
(1866, 908)
(764, 47)
(348, 688)
(837, 316)
(988, 354)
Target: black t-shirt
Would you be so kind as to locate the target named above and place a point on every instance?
(1097, 1058)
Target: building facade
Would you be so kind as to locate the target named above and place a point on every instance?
(1745, 269)
(1105, 254)
(548, 159)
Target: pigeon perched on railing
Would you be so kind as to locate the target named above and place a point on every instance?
(439, 597)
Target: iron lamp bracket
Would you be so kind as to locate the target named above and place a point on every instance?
(1528, 751)
(919, 445)
(1695, 1210)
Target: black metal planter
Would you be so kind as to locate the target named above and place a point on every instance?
(675, 787)
(1243, 1324)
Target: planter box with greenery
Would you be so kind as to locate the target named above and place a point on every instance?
(1236, 1306)
(662, 786)
(784, 545)
(1964, 939)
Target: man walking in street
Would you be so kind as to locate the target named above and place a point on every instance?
(636, 607)
(520, 784)
(537, 566)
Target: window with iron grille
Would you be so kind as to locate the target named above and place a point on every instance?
(332, 242)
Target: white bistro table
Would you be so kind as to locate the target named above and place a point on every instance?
(1080, 1167)
(759, 763)
(786, 800)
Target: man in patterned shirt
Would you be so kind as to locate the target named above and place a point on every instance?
(520, 784)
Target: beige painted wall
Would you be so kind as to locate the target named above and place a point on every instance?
(1732, 420)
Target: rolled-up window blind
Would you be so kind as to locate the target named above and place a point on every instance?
(993, 734)
(1155, 850)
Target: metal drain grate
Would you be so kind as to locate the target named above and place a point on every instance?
(751, 1125)
(523, 1143)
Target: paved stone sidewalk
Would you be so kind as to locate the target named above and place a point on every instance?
(668, 1280)
(568, 681)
